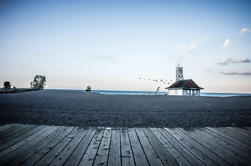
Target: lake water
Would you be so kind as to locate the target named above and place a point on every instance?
(111, 92)
(116, 92)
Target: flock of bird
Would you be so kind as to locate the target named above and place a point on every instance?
(163, 81)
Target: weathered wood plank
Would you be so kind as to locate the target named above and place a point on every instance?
(40, 153)
(248, 129)
(90, 154)
(138, 152)
(206, 140)
(199, 154)
(63, 156)
(180, 159)
(8, 128)
(114, 153)
(52, 145)
(103, 151)
(20, 138)
(186, 153)
(233, 134)
(78, 153)
(151, 155)
(53, 153)
(165, 156)
(4, 128)
(227, 138)
(23, 142)
(241, 131)
(219, 160)
(13, 133)
(29, 152)
(235, 151)
(17, 137)
(126, 149)
(11, 157)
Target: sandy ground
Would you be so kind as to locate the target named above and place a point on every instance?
(74, 108)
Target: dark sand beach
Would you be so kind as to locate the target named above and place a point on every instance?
(74, 108)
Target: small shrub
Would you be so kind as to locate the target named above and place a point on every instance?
(88, 88)
(7, 84)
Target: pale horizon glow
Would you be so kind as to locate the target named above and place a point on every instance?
(111, 44)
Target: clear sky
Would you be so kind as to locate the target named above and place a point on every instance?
(111, 44)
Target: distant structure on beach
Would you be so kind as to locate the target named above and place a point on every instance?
(179, 73)
(183, 87)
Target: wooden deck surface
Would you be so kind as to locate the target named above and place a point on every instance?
(59, 145)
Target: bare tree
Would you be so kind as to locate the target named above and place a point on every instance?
(38, 82)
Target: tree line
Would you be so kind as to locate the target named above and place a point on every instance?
(38, 83)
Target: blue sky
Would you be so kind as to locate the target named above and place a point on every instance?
(111, 44)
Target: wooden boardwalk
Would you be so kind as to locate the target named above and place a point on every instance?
(59, 145)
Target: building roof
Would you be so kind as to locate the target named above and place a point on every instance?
(184, 84)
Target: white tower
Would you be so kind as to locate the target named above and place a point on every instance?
(179, 73)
